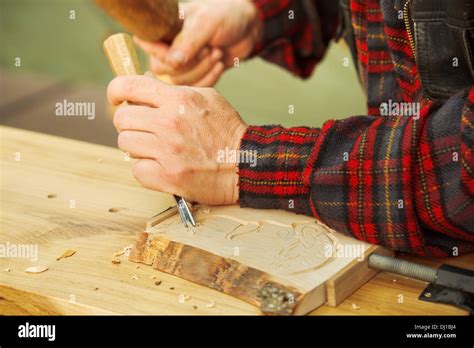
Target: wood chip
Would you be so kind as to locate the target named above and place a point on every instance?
(67, 253)
(125, 250)
(195, 307)
(205, 211)
(119, 253)
(116, 261)
(36, 269)
(158, 283)
(356, 307)
(152, 277)
(7, 269)
(134, 277)
(212, 304)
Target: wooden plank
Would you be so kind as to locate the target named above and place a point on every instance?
(17, 302)
(351, 277)
(276, 260)
(98, 178)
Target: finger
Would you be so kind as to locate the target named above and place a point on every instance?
(212, 77)
(136, 117)
(239, 50)
(150, 173)
(199, 71)
(158, 66)
(141, 90)
(156, 49)
(139, 144)
(193, 37)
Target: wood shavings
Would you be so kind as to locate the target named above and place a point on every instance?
(67, 253)
(134, 277)
(125, 250)
(7, 269)
(52, 195)
(158, 283)
(152, 277)
(36, 269)
(195, 307)
(356, 307)
(205, 211)
(116, 262)
(137, 267)
(119, 253)
(183, 298)
(211, 304)
(171, 288)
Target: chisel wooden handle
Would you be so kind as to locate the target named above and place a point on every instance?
(151, 20)
(121, 54)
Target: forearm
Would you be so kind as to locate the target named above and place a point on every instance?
(393, 181)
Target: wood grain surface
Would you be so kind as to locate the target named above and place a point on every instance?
(284, 263)
(109, 209)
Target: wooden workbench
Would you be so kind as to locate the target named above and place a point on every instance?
(110, 208)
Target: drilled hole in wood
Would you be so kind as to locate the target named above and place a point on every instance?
(114, 210)
(52, 195)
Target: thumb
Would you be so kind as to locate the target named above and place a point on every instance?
(195, 34)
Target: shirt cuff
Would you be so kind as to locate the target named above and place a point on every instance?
(272, 176)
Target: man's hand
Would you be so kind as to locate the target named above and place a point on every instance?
(214, 34)
(177, 133)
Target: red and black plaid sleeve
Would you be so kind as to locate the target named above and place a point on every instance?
(296, 33)
(403, 182)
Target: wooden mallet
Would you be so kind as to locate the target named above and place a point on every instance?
(150, 20)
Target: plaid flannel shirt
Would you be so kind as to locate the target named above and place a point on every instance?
(402, 182)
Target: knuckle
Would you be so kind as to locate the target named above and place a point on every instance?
(132, 84)
(140, 168)
(182, 96)
(120, 118)
(176, 148)
(174, 123)
(123, 139)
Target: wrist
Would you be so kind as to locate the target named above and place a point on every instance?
(238, 136)
(276, 179)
